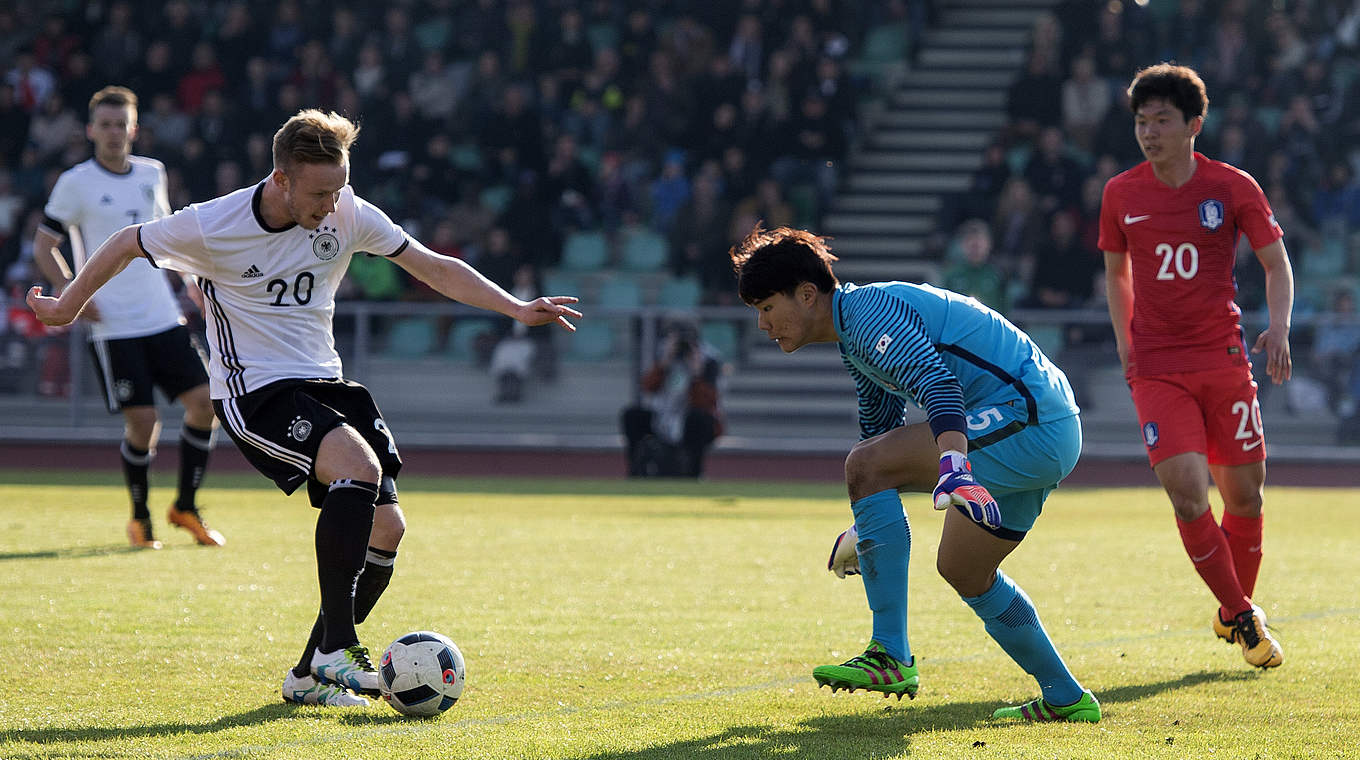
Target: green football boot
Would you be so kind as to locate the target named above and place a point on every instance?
(1086, 710)
(875, 670)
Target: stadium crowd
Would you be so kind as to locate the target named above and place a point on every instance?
(497, 129)
(494, 129)
(1286, 109)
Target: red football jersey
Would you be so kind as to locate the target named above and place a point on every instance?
(1183, 242)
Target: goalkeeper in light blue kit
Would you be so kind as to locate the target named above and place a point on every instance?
(1003, 431)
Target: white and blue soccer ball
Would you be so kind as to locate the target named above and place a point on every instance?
(422, 674)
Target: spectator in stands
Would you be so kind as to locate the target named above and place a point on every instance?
(1063, 269)
(52, 127)
(1016, 227)
(520, 352)
(1085, 101)
(1336, 352)
(698, 237)
(814, 144)
(14, 123)
(973, 272)
(170, 124)
(32, 82)
(117, 45)
(1054, 176)
(203, 75)
(670, 191)
(1034, 100)
(670, 431)
(1336, 206)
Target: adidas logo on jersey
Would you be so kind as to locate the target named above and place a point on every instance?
(252, 273)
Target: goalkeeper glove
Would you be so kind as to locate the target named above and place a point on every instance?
(843, 560)
(958, 487)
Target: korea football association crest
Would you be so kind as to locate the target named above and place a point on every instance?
(1210, 214)
(325, 245)
(1150, 435)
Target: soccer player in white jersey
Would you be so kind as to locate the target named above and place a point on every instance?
(269, 259)
(137, 333)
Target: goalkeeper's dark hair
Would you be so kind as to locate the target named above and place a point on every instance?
(1180, 86)
(778, 261)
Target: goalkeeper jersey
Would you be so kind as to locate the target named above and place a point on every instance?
(965, 365)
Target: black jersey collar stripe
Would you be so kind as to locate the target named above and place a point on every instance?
(54, 225)
(112, 173)
(255, 199)
(226, 342)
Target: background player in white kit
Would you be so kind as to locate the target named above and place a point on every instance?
(137, 333)
(269, 259)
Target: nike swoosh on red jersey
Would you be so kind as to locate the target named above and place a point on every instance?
(1252, 445)
(1136, 219)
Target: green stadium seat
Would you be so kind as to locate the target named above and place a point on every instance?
(593, 341)
(884, 46)
(585, 251)
(679, 293)
(1017, 158)
(1327, 259)
(618, 292)
(559, 283)
(724, 337)
(1269, 116)
(466, 156)
(603, 35)
(411, 337)
(803, 198)
(1048, 337)
(462, 342)
(497, 197)
(644, 250)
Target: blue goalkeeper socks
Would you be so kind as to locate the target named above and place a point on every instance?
(1010, 618)
(884, 548)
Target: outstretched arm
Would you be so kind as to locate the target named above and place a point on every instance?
(1280, 301)
(456, 279)
(106, 262)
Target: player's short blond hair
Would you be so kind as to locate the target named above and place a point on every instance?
(113, 95)
(314, 137)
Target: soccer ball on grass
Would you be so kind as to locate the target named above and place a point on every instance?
(422, 674)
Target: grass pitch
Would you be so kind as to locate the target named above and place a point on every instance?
(649, 620)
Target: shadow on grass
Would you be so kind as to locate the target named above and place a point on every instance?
(259, 715)
(885, 732)
(72, 552)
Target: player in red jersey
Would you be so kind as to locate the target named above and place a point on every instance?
(1169, 229)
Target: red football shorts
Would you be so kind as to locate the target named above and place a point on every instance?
(1214, 412)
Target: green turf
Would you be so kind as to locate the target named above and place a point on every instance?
(648, 620)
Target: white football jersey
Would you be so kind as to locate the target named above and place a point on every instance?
(268, 293)
(91, 203)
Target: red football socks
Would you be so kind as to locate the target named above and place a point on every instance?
(1244, 538)
(1208, 549)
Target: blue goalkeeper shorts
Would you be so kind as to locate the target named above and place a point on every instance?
(1021, 470)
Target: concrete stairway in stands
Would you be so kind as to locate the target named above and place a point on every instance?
(922, 144)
